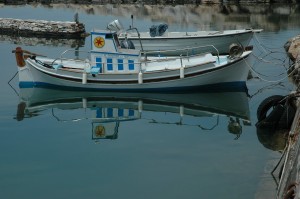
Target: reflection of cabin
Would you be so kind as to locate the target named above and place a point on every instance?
(106, 121)
(108, 57)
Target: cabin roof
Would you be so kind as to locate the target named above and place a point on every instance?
(102, 31)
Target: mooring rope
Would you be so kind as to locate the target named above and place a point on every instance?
(11, 85)
(268, 51)
(270, 81)
(264, 47)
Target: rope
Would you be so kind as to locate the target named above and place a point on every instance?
(11, 85)
(268, 51)
(269, 81)
(264, 48)
(13, 77)
(267, 61)
(284, 164)
(283, 154)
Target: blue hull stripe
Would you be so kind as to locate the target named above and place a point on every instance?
(230, 86)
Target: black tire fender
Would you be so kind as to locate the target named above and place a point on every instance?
(287, 117)
(268, 103)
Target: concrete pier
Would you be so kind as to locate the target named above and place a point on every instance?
(289, 184)
(290, 177)
(42, 28)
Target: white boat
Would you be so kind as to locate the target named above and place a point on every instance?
(112, 68)
(107, 110)
(164, 42)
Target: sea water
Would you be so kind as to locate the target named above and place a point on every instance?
(57, 144)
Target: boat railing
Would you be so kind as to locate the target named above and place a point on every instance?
(139, 35)
(188, 54)
(189, 51)
(61, 58)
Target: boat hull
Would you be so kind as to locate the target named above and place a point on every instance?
(233, 74)
(221, 42)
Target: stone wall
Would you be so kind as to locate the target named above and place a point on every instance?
(147, 2)
(292, 47)
(41, 28)
(34, 41)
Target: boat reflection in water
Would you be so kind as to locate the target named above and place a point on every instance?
(107, 110)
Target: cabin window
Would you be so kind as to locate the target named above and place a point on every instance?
(120, 64)
(99, 113)
(110, 112)
(130, 112)
(97, 68)
(130, 64)
(120, 112)
(108, 36)
(99, 62)
(109, 64)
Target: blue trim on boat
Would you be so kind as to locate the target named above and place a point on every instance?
(116, 53)
(228, 87)
(99, 33)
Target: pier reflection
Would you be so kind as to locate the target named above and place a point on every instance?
(108, 110)
(35, 41)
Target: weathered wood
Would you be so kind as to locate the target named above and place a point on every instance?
(289, 180)
(42, 28)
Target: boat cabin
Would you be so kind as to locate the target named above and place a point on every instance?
(107, 55)
(105, 123)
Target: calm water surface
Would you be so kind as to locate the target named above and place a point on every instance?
(162, 146)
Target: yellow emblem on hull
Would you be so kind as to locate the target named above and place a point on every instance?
(99, 42)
